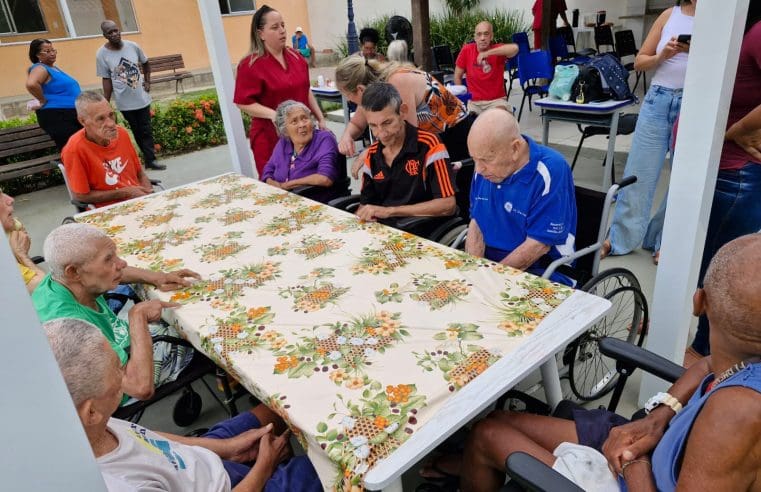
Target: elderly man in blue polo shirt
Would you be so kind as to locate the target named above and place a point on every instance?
(522, 204)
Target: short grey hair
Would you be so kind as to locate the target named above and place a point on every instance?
(84, 99)
(82, 356)
(70, 244)
(284, 109)
(398, 51)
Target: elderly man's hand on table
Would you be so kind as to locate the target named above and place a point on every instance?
(371, 213)
(175, 280)
(150, 311)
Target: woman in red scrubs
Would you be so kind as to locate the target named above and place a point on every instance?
(269, 75)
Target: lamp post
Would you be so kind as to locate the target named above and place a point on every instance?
(351, 33)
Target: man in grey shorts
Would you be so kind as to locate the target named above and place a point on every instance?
(118, 63)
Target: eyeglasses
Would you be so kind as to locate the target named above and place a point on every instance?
(47, 52)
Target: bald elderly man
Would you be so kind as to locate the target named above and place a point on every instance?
(704, 434)
(522, 202)
(248, 452)
(84, 265)
(483, 64)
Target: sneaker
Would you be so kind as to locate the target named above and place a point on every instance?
(155, 166)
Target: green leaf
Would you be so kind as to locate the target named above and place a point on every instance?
(379, 438)
(332, 435)
(440, 336)
(444, 365)
(322, 427)
(471, 336)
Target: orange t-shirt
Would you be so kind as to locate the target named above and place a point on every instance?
(90, 166)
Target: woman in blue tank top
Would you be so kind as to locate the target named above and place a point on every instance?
(55, 90)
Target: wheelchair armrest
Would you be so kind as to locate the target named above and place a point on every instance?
(157, 183)
(344, 202)
(37, 260)
(123, 298)
(408, 223)
(303, 190)
(535, 476)
(82, 206)
(633, 357)
(172, 340)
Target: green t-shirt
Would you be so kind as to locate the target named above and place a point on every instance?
(53, 300)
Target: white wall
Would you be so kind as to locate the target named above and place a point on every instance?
(329, 21)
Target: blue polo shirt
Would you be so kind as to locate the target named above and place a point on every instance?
(538, 202)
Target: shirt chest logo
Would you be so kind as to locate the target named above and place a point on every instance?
(412, 167)
(113, 169)
(379, 176)
(508, 207)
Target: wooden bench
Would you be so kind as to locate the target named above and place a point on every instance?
(169, 63)
(22, 140)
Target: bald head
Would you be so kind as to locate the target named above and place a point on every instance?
(733, 291)
(496, 145)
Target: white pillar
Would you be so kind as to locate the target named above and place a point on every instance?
(44, 446)
(716, 39)
(213, 30)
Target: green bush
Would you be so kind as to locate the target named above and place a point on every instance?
(185, 125)
(455, 29)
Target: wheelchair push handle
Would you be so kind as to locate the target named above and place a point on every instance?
(627, 181)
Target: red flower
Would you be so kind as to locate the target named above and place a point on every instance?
(199, 115)
(188, 129)
(152, 113)
(157, 147)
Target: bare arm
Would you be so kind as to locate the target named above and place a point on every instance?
(438, 207)
(258, 111)
(647, 58)
(509, 50)
(20, 244)
(474, 241)
(458, 73)
(37, 77)
(161, 280)
(747, 133)
(353, 130)
(96, 196)
(138, 372)
(638, 438)
(108, 88)
(526, 254)
(639, 476)
(723, 450)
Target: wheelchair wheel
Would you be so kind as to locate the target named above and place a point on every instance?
(449, 238)
(591, 374)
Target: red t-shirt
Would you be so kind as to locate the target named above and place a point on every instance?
(90, 166)
(266, 82)
(745, 97)
(557, 7)
(485, 81)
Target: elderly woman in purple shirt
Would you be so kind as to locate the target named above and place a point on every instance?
(304, 155)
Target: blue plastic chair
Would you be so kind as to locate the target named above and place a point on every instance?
(532, 67)
(511, 67)
(521, 39)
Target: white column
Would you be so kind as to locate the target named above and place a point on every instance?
(66, 14)
(44, 446)
(213, 29)
(707, 92)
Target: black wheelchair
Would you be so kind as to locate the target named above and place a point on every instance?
(528, 474)
(591, 374)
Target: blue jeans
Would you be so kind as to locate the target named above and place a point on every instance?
(296, 474)
(650, 144)
(735, 212)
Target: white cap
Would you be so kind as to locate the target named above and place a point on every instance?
(299, 29)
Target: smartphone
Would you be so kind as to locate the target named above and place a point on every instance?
(684, 38)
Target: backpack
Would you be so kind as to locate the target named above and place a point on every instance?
(602, 78)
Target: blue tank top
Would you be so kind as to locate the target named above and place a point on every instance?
(61, 90)
(668, 453)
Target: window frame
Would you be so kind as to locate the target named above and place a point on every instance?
(6, 8)
(238, 12)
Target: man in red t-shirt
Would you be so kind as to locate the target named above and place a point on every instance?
(101, 164)
(483, 64)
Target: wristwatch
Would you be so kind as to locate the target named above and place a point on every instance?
(663, 399)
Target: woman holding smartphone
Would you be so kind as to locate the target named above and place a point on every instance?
(662, 52)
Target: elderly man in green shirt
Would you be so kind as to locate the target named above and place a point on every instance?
(83, 266)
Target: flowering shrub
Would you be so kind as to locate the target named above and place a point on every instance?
(185, 125)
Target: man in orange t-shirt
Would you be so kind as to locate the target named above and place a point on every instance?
(101, 164)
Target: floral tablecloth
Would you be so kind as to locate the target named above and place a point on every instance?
(354, 332)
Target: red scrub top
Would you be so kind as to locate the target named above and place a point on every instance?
(266, 82)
